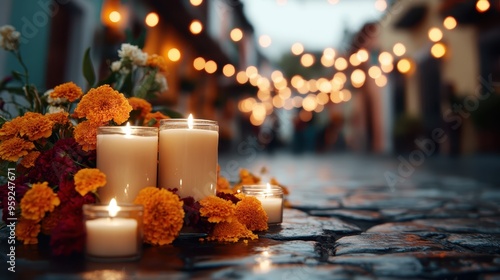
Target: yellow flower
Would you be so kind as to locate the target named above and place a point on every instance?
(246, 178)
(69, 91)
(157, 116)
(88, 180)
(230, 232)
(14, 148)
(141, 105)
(157, 61)
(38, 200)
(217, 209)
(163, 215)
(30, 159)
(249, 212)
(27, 231)
(103, 104)
(86, 135)
(35, 126)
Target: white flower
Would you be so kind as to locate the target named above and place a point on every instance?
(55, 109)
(9, 38)
(161, 81)
(116, 65)
(54, 101)
(136, 55)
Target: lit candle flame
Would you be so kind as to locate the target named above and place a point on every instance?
(190, 121)
(113, 208)
(127, 130)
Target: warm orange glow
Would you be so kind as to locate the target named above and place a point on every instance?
(305, 116)
(307, 60)
(385, 58)
(450, 23)
(341, 64)
(297, 49)
(297, 81)
(339, 78)
(438, 50)
(387, 68)
(335, 97)
(297, 101)
(353, 59)
(241, 77)
(404, 66)
(381, 5)
(374, 72)
(276, 76)
(264, 41)
(327, 62)
(228, 70)
(196, 2)
(210, 67)
(435, 34)
(196, 27)
(399, 49)
(174, 54)
(363, 55)
(309, 103)
(199, 63)
(358, 78)
(115, 16)
(329, 53)
(152, 19)
(322, 98)
(345, 95)
(278, 102)
(381, 81)
(252, 71)
(482, 5)
(236, 34)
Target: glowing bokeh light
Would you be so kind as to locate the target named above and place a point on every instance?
(399, 49)
(450, 23)
(174, 54)
(115, 16)
(297, 49)
(435, 34)
(438, 50)
(228, 70)
(196, 27)
(152, 19)
(265, 41)
(236, 34)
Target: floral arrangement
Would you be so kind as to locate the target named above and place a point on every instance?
(50, 146)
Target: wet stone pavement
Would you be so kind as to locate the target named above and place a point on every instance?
(346, 221)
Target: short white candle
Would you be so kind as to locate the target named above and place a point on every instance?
(188, 159)
(129, 158)
(273, 206)
(113, 236)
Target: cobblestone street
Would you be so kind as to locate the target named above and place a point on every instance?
(345, 222)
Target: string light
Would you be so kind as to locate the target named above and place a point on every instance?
(435, 34)
(236, 34)
(174, 54)
(482, 5)
(196, 2)
(450, 23)
(115, 16)
(297, 49)
(399, 49)
(196, 27)
(307, 60)
(152, 19)
(438, 50)
(264, 41)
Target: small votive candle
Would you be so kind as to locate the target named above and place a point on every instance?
(128, 155)
(271, 198)
(113, 232)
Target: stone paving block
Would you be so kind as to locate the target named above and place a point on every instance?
(375, 201)
(382, 243)
(435, 264)
(466, 225)
(479, 243)
(362, 215)
(401, 227)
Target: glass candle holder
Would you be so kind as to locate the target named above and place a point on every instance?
(271, 197)
(113, 234)
(188, 156)
(128, 155)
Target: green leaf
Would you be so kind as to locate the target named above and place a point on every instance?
(147, 84)
(88, 68)
(17, 76)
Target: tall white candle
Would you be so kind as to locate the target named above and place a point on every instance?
(188, 156)
(112, 236)
(129, 158)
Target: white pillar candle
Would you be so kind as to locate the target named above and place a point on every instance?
(112, 232)
(271, 198)
(129, 158)
(188, 156)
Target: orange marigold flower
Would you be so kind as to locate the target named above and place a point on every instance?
(10, 129)
(246, 178)
(88, 180)
(231, 232)
(38, 200)
(141, 105)
(14, 148)
(69, 91)
(273, 181)
(157, 61)
(222, 183)
(103, 104)
(157, 116)
(163, 215)
(249, 212)
(217, 209)
(50, 221)
(35, 126)
(27, 231)
(59, 117)
(29, 160)
(86, 135)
